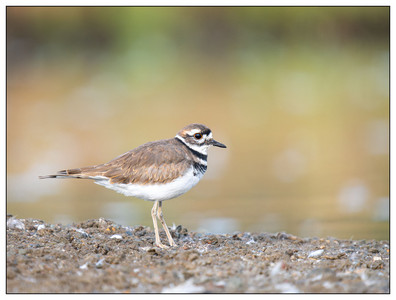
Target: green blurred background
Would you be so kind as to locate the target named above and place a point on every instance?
(300, 95)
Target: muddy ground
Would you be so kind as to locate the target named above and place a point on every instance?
(99, 256)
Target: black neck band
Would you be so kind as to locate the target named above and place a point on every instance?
(195, 152)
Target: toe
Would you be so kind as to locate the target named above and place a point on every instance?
(160, 245)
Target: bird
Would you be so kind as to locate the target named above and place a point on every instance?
(155, 171)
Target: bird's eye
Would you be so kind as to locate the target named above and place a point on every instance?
(198, 136)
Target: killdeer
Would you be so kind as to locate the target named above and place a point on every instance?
(155, 171)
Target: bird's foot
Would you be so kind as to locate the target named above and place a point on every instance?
(162, 246)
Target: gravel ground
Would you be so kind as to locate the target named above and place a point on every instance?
(99, 256)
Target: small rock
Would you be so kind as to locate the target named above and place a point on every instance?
(82, 232)
(99, 264)
(212, 240)
(116, 236)
(373, 250)
(316, 253)
(15, 223)
(375, 258)
(290, 252)
(40, 227)
(251, 241)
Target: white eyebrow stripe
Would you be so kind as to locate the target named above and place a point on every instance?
(193, 131)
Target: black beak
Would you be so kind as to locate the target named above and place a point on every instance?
(217, 144)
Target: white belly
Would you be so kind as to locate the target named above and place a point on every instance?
(155, 192)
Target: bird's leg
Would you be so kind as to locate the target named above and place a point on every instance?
(161, 218)
(154, 214)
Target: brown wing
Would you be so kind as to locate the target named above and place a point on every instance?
(154, 162)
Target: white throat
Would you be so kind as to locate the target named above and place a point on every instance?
(203, 149)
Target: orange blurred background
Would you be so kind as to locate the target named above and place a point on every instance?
(300, 95)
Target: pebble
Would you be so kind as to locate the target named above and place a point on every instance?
(83, 233)
(40, 227)
(99, 264)
(316, 253)
(116, 236)
(375, 258)
(251, 241)
(15, 223)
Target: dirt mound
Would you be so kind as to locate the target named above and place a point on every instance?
(98, 256)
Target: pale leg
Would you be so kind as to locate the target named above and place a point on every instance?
(161, 218)
(154, 213)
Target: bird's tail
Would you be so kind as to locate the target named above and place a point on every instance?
(70, 173)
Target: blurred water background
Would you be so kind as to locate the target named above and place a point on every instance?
(300, 95)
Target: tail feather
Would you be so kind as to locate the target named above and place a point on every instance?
(48, 176)
(70, 173)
